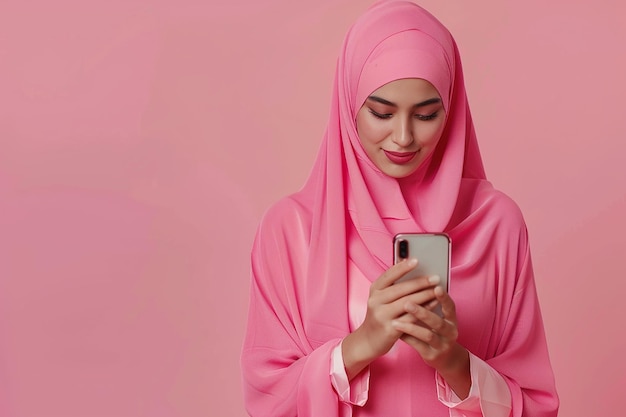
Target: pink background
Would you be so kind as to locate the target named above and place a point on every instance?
(141, 141)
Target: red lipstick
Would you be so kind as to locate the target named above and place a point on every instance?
(399, 158)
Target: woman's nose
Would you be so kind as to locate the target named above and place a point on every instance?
(403, 134)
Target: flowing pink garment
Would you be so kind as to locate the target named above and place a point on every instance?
(348, 209)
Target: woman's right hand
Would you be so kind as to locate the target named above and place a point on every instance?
(386, 302)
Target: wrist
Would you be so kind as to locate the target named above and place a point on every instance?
(356, 353)
(456, 371)
(457, 362)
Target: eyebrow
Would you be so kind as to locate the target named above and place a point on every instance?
(389, 103)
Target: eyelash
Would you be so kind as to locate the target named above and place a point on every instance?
(420, 117)
(428, 116)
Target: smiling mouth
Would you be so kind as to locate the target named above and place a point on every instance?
(400, 158)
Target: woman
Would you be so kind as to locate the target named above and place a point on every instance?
(329, 332)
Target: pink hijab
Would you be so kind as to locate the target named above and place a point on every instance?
(392, 40)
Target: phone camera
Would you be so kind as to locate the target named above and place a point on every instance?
(403, 249)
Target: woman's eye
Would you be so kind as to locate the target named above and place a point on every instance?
(380, 115)
(426, 117)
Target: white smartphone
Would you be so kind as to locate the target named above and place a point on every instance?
(432, 251)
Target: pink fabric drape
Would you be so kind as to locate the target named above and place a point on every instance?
(349, 209)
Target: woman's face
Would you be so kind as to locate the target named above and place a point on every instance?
(400, 124)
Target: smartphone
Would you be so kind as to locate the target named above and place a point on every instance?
(432, 251)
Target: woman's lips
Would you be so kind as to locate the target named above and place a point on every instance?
(400, 158)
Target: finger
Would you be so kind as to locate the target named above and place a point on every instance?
(431, 305)
(398, 309)
(409, 287)
(419, 283)
(406, 317)
(424, 337)
(429, 319)
(443, 327)
(447, 304)
(422, 297)
(394, 273)
(425, 350)
(409, 318)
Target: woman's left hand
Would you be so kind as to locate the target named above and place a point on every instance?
(435, 339)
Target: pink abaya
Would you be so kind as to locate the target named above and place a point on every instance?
(313, 245)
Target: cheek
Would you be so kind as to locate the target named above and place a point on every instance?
(432, 135)
(370, 132)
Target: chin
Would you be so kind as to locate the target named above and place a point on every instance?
(400, 173)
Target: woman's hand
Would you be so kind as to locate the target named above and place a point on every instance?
(386, 304)
(435, 339)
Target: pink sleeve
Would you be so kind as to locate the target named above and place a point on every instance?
(519, 356)
(284, 373)
(522, 356)
(489, 393)
(519, 353)
(353, 392)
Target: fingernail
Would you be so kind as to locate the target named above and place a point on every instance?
(410, 308)
(412, 262)
(434, 279)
